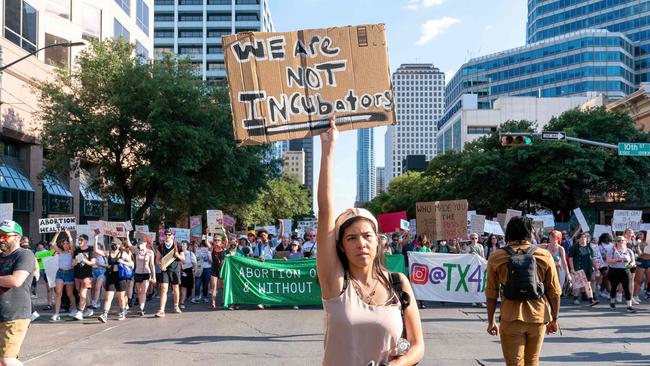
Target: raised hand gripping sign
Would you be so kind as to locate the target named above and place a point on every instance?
(56, 224)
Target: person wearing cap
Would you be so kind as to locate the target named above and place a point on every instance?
(264, 249)
(83, 260)
(16, 268)
(295, 252)
(309, 246)
(170, 274)
(362, 301)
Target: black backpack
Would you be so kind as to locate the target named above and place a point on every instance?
(522, 283)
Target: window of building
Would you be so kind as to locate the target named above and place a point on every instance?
(215, 50)
(11, 149)
(20, 25)
(91, 22)
(216, 66)
(247, 2)
(190, 17)
(125, 5)
(159, 51)
(120, 31)
(140, 50)
(165, 17)
(219, 2)
(56, 56)
(190, 33)
(59, 7)
(142, 16)
(247, 16)
(190, 2)
(217, 33)
(163, 2)
(219, 17)
(190, 50)
(163, 33)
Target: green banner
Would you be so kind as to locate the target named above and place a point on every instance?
(278, 282)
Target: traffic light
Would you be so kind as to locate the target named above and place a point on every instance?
(516, 139)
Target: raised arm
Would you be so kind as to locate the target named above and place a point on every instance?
(330, 270)
(53, 242)
(71, 246)
(96, 247)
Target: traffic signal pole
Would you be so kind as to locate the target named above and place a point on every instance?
(555, 136)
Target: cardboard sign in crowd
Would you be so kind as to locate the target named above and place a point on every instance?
(286, 86)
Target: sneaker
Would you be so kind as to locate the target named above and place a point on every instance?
(474, 304)
(482, 304)
(121, 315)
(34, 296)
(160, 314)
(78, 315)
(295, 307)
(260, 306)
(72, 313)
(612, 305)
(156, 296)
(636, 301)
(47, 308)
(195, 300)
(619, 298)
(631, 310)
(88, 312)
(231, 307)
(141, 312)
(182, 306)
(103, 318)
(206, 300)
(594, 302)
(35, 315)
(55, 317)
(604, 295)
(177, 309)
(576, 302)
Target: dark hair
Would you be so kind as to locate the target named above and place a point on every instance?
(519, 228)
(378, 263)
(605, 238)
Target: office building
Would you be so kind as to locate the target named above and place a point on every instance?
(193, 28)
(365, 166)
(381, 182)
(27, 27)
(307, 146)
(419, 99)
(294, 165)
(470, 122)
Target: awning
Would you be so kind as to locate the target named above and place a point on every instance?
(84, 188)
(55, 188)
(115, 199)
(13, 178)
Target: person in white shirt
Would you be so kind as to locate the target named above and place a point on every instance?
(187, 274)
(203, 258)
(309, 247)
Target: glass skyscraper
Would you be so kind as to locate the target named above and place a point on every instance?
(366, 189)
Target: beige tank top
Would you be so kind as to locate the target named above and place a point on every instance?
(357, 333)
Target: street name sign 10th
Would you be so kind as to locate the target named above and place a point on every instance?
(634, 149)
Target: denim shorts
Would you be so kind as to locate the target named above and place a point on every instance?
(99, 273)
(643, 263)
(66, 276)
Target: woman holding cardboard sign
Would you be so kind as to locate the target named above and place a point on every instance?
(367, 309)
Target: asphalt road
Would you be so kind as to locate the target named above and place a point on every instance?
(454, 335)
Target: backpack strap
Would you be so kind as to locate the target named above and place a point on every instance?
(508, 250)
(403, 297)
(531, 250)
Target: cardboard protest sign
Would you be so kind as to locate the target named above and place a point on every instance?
(116, 229)
(602, 229)
(214, 220)
(270, 229)
(510, 213)
(477, 224)
(286, 227)
(90, 232)
(390, 222)
(493, 227)
(469, 220)
(442, 220)
(195, 227)
(501, 219)
(229, 221)
(624, 219)
(548, 221)
(56, 224)
(141, 228)
(581, 219)
(50, 266)
(181, 234)
(6, 211)
(285, 86)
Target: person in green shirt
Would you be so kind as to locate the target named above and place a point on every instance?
(425, 246)
(42, 252)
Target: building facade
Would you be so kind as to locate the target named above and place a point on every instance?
(193, 29)
(381, 182)
(306, 145)
(366, 188)
(294, 165)
(419, 100)
(469, 122)
(28, 25)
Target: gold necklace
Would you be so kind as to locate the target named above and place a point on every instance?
(369, 297)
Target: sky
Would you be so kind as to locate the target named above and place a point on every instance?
(446, 33)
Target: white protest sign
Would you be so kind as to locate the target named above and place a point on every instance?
(644, 227)
(510, 213)
(581, 219)
(306, 226)
(493, 227)
(141, 228)
(115, 229)
(286, 227)
(56, 224)
(6, 211)
(270, 229)
(181, 234)
(548, 220)
(214, 220)
(51, 266)
(404, 224)
(624, 219)
(477, 224)
(602, 229)
(413, 228)
(90, 233)
(448, 277)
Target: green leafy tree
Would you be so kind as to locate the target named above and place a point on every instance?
(148, 130)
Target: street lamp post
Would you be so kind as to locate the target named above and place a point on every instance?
(67, 44)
